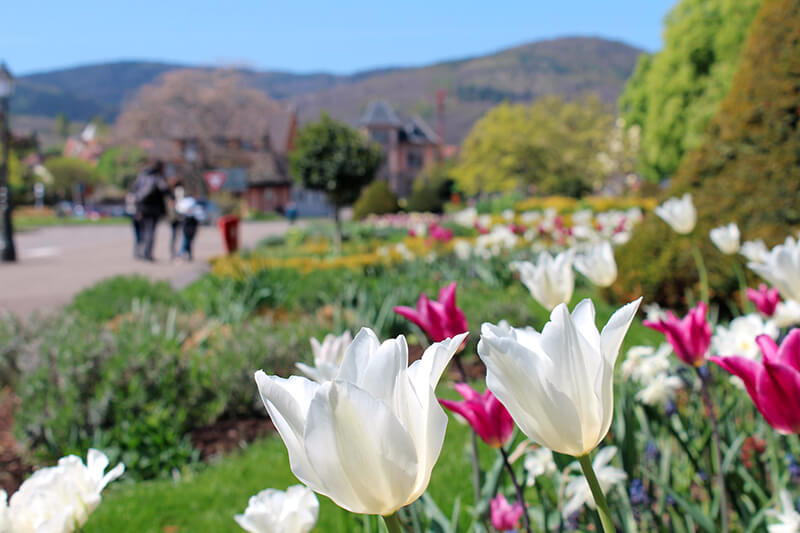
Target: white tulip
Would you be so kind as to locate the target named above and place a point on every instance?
(578, 490)
(558, 385)
(781, 267)
(755, 251)
(598, 264)
(660, 389)
(369, 438)
(788, 517)
(327, 356)
(726, 238)
(787, 314)
(739, 337)
(275, 511)
(550, 281)
(539, 463)
(679, 213)
(61, 498)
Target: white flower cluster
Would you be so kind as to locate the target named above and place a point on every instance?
(58, 499)
(650, 367)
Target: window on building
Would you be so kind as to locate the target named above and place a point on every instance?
(381, 136)
(414, 159)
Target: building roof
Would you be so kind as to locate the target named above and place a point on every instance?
(417, 131)
(380, 113)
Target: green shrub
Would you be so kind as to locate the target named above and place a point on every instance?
(127, 387)
(432, 190)
(746, 171)
(12, 345)
(375, 199)
(113, 296)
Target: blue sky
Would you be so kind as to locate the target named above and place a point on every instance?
(305, 35)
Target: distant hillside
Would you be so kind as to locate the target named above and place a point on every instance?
(567, 66)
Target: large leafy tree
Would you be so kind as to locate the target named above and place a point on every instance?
(551, 144)
(674, 94)
(747, 170)
(332, 157)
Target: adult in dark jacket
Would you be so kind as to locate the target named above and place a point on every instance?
(150, 191)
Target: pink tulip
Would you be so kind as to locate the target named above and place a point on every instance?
(439, 233)
(765, 300)
(504, 515)
(440, 319)
(484, 413)
(690, 337)
(773, 383)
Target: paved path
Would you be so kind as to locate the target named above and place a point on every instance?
(55, 263)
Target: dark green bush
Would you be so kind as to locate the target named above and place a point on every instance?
(13, 340)
(432, 190)
(128, 389)
(375, 199)
(109, 298)
(745, 171)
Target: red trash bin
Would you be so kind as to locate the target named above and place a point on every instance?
(229, 226)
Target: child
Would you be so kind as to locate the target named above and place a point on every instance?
(191, 211)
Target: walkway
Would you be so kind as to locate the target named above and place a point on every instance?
(57, 262)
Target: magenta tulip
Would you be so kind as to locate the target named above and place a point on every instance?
(690, 337)
(765, 300)
(773, 383)
(487, 416)
(439, 319)
(504, 515)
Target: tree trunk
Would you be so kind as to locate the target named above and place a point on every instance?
(338, 229)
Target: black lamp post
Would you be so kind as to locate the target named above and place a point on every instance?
(9, 253)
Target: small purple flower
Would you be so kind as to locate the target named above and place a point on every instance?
(638, 493)
(670, 408)
(651, 452)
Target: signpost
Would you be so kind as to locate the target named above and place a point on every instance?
(215, 179)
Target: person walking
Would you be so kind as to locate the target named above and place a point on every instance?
(131, 211)
(173, 217)
(150, 191)
(191, 212)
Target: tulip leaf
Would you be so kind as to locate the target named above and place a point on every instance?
(696, 514)
(489, 488)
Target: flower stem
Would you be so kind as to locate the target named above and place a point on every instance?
(702, 273)
(476, 468)
(392, 523)
(520, 496)
(599, 498)
(723, 496)
(747, 305)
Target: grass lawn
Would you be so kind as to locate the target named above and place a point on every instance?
(30, 220)
(207, 500)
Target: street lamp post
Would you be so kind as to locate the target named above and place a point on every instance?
(9, 253)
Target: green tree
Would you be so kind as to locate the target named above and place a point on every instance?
(375, 199)
(551, 144)
(61, 125)
(331, 156)
(69, 173)
(674, 94)
(120, 165)
(745, 171)
(432, 189)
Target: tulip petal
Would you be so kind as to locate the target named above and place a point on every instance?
(518, 377)
(779, 392)
(768, 347)
(615, 330)
(287, 402)
(579, 369)
(360, 448)
(428, 370)
(789, 352)
(376, 371)
(745, 369)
